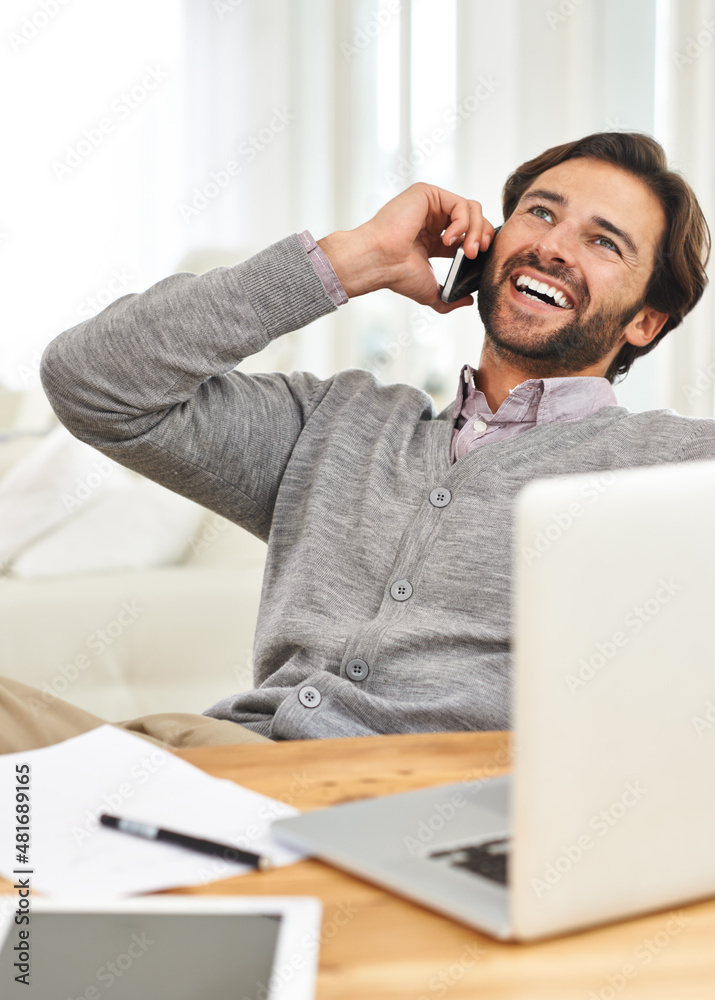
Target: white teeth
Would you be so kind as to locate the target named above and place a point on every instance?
(524, 283)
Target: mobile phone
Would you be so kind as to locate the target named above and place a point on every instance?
(465, 274)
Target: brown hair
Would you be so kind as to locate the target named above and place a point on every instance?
(678, 279)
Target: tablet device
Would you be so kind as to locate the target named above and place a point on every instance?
(151, 947)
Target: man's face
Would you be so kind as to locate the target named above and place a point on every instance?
(589, 231)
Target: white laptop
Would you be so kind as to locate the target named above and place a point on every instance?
(610, 809)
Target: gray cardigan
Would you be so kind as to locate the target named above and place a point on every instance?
(336, 475)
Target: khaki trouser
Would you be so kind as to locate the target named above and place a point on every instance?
(28, 721)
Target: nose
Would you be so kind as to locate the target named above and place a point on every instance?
(558, 245)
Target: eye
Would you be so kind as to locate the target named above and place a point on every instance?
(537, 209)
(608, 243)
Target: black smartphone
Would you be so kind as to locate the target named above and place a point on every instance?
(465, 274)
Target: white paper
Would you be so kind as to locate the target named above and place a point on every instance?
(110, 770)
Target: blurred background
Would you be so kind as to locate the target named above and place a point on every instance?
(144, 137)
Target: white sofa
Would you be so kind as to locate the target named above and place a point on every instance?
(127, 642)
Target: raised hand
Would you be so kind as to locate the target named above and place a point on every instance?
(392, 250)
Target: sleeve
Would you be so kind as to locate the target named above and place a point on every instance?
(150, 381)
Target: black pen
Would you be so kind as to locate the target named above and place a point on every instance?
(149, 832)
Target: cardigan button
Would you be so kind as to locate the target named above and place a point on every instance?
(401, 590)
(309, 696)
(440, 497)
(357, 670)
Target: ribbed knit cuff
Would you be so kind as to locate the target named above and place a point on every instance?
(284, 288)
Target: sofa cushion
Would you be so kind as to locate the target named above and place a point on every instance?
(66, 508)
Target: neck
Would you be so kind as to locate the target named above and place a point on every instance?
(496, 379)
(497, 376)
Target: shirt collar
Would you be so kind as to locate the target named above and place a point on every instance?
(539, 400)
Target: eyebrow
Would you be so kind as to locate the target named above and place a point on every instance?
(558, 199)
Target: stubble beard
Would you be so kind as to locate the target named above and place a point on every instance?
(579, 343)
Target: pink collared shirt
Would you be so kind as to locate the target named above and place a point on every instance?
(535, 401)
(331, 282)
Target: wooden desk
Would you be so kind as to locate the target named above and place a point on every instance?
(376, 945)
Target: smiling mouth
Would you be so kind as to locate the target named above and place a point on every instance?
(532, 288)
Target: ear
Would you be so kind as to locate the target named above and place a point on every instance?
(645, 326)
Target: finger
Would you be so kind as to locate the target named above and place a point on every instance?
(464, 216)
(448, 307)
(473, 241)
(467, 223)
(479, 235)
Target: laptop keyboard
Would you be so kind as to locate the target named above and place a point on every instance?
(490, 859)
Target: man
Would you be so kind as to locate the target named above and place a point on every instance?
(387, 589)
